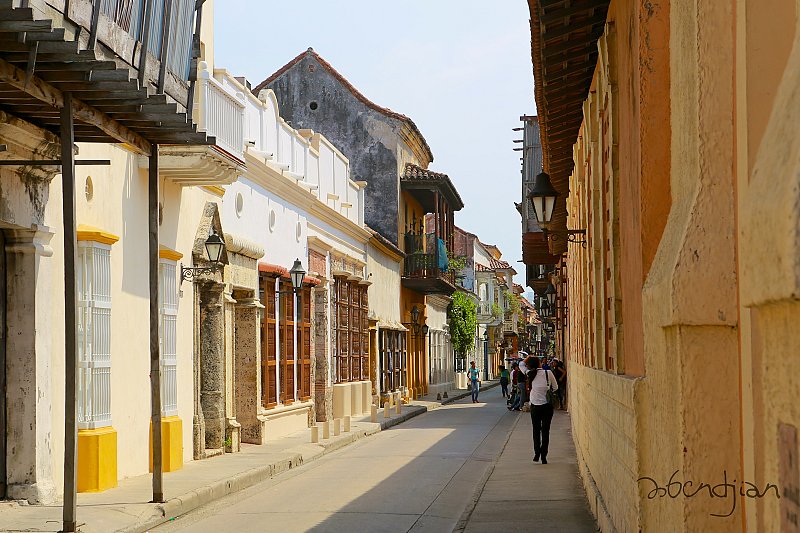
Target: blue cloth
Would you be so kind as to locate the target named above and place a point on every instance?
(444, 263)
(476, 388)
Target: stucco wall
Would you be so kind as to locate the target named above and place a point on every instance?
(384, 293)
(119, 206)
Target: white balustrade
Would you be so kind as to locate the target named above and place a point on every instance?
(222, 114)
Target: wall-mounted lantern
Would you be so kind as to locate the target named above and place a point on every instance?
(214, 246)
(543, 197)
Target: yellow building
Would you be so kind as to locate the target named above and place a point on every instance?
(670, 131)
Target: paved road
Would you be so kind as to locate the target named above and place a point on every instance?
(423, 475)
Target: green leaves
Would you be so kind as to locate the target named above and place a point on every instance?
(462, 315)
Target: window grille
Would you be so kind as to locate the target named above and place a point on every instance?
(168, 335)
(94, 335)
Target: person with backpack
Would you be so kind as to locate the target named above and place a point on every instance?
(474, 375)
(542, 385)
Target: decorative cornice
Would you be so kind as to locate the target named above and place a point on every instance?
(275, 182)
(169, 253)
(90, 233)
(215, 190)
(319, 244)
(242, 246)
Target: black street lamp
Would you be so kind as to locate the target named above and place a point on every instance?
(550, 293)
(214, 246)
(543, 197)
(297, 273)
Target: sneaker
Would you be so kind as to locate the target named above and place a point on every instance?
(544, 460)
(536, 458)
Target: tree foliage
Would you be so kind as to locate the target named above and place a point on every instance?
(514, 307)
(462, 315)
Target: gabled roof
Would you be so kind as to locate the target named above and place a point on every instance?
(494, 264)
(349, 86)
(414, 175)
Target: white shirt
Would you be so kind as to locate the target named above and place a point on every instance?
(523, 368)
(539, 386)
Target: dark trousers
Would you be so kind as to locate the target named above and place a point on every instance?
(521, 396)
(541, 416)
(504, 386)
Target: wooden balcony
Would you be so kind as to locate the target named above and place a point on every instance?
(421, 274)
(122, 89)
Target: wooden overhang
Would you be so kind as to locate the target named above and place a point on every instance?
(422, 183)
(564, 37)
(38, 65)
(432, 284)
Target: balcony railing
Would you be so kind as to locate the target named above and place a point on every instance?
(164, 28)
(221, 114)
(422, 265)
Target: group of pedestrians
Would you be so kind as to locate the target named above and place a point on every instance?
(538, 382)
(541, 383)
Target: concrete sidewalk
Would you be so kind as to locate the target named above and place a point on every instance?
(126, 508)
(520, 495)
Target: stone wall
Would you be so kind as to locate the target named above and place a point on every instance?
(604, 426)
(310, 97)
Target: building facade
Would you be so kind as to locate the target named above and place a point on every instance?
(670, 148)
(387, 151)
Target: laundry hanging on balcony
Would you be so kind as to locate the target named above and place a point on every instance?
(444, 263)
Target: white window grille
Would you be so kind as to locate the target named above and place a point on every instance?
(94, 335)
(168, 335)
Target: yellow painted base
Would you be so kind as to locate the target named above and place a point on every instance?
(171, 443)
(97, 459)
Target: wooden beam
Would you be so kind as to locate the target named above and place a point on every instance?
(25, 13)
(583, 42)
(52, 96)
(583, 25)
(562, 13)
(19, 26)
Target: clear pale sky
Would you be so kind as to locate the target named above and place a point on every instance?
(460, 69)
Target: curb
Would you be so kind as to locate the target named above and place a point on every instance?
(185, 503)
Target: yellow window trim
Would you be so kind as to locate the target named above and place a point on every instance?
(90, 233)
(169, 253)
(215, 190)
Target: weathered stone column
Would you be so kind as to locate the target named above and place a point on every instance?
(212, 364)
(247, 349)
(232, 426)
(323, 392)
(29, 394)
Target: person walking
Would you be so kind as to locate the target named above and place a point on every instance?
(539, 381)
(519, 379)
(475, 380)
(504, 377)
(560, 372)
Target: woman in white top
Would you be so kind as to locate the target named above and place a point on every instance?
(541, 410)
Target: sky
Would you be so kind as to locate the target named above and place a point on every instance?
(460, 69)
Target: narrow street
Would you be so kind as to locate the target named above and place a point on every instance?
(458, 467)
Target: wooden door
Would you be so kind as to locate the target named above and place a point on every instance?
(287, 358)
(3, 409)
(269, 366)
(304, 346)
